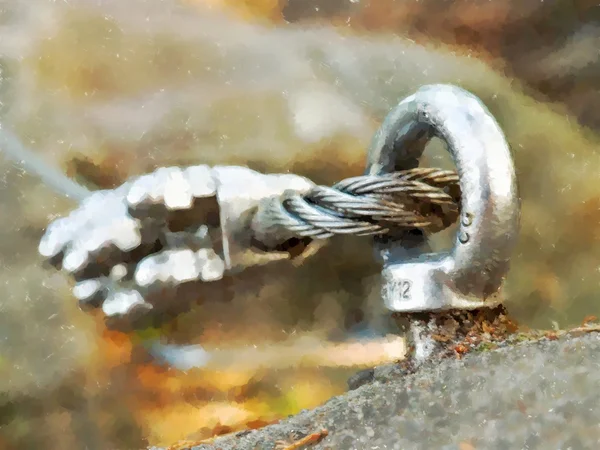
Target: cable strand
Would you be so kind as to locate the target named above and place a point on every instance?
(423, 198)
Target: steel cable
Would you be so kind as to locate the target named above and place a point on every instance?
(423, 198)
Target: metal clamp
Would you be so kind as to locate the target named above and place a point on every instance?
(471, 274)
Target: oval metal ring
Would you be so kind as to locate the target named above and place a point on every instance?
(472, 273)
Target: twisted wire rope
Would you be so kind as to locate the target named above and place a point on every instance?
(423, 198)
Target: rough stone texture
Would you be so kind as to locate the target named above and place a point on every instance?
(532, 395)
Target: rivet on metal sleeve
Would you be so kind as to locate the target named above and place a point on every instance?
(471, 274)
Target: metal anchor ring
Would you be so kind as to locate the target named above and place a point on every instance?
(471, 274)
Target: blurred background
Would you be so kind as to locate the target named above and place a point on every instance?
(107, 89)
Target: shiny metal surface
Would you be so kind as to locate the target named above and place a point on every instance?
(133, 248)
(471, 274)
(177, 226)
(363, 205)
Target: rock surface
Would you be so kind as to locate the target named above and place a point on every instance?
(533, 395)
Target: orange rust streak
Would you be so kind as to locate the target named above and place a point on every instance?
(308, 440)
